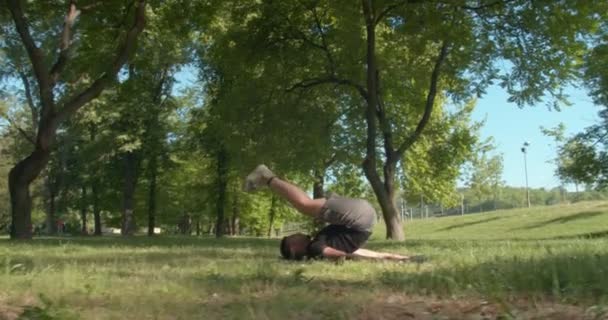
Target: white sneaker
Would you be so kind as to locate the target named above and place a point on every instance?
(258, 178)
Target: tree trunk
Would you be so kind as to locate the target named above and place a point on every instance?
(272, 214)
(421, 205)
(318, 191)
(51, 226)
(130, 182)
(96, 209)
(152, 196)
(222, 182)
(83, 210)
(63, 182)
(318, 185)
(20, 178)
(95, 187)
(386, 198)
(384, 191)
(198, 226)
(21, 210)
(227, 226)
(234, 220)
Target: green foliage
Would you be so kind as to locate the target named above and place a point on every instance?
(485, 180)
(596, 72)
(582, 158)
(433, 166)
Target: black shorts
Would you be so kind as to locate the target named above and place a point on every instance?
(338, 237)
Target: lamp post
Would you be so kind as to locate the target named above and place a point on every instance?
(524, 150)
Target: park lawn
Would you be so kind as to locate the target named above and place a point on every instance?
(548, 262)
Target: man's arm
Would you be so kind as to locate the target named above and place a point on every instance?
(369, 254)
(329, 252)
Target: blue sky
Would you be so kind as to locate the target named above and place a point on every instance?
(510, 126)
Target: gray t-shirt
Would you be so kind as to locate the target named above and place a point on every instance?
(356, 214)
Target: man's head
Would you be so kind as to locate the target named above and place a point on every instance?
(295, 246)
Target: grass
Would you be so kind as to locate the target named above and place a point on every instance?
(510, 264)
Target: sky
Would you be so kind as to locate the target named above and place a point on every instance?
(511, 126)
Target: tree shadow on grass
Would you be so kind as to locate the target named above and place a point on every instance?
(144, 241)
(574, 277)
(467, 224)
(564, 219)
(579, 276)
(589, 235)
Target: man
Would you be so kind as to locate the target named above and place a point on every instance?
(350, 222)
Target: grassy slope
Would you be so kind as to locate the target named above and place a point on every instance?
(565, 221)
(504, 257)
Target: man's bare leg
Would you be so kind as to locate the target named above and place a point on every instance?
(297, 197)
(262, 177)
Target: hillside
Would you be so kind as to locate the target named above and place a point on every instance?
(585, 219)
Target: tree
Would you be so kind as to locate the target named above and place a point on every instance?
(485, 180)
(54, 111)
(417, 54)
(580, 161)
(583, 158)
(430, 170)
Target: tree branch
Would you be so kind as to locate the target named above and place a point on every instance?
(484, 6)
(64, 44)
(331, 160)
(91, 6)
(394, 6)
(26, 135)
(430, 101)
(324, 46)
(386, 11)
(331, 79)
(21, 131)
(30, 99)
(123, 54)
(385, 126)
(35, 55)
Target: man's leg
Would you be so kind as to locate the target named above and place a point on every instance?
(297, 197)
(262, 176)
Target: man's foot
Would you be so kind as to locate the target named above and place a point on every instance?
(258, 178)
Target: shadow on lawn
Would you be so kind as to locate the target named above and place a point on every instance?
(564, 219)
(575, 277)
(590, 235)
(110, 251)
(144, 241)
(159, 259)
(467, 224)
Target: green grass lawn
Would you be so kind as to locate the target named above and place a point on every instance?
(549, 262)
